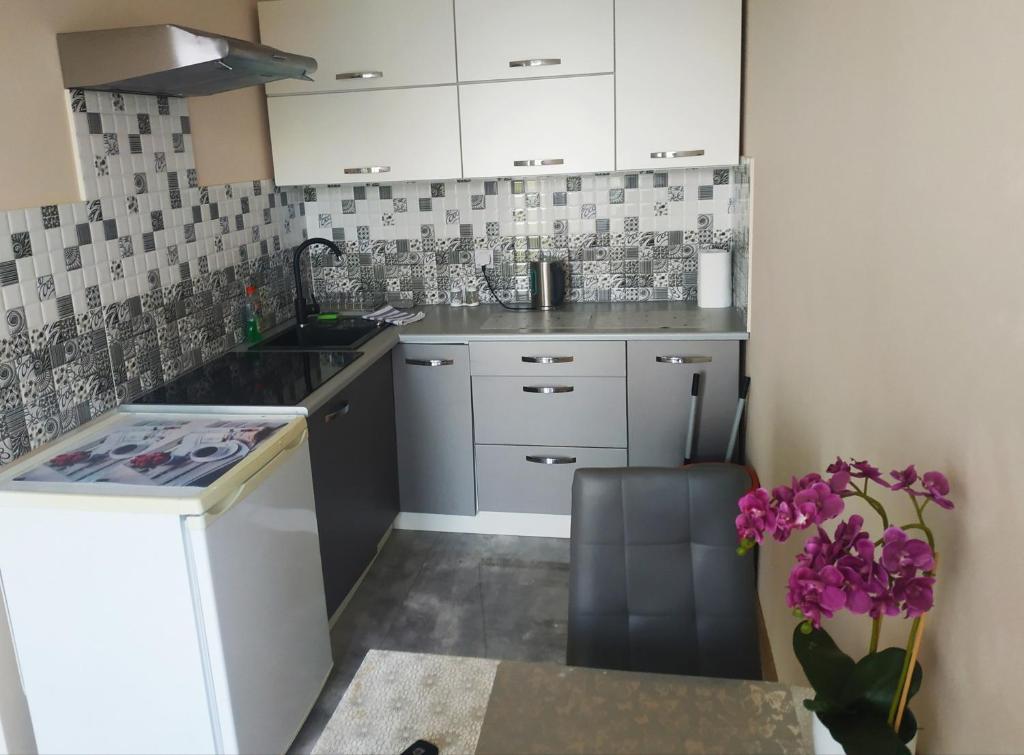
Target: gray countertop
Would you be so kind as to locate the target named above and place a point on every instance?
(682, 321)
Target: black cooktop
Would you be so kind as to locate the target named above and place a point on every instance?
(253, 378)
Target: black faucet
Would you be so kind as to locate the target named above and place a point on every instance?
(302, 309)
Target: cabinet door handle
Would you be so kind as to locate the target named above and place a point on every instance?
(537, 163)
(682, 360)
(430, 362)
(370, 169)
(343, 408)
(548, 389)
(548, 360)
(359, 75)
(534, 62)
(680, 153)
(551, 459)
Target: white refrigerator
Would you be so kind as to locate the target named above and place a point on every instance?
(161, 574)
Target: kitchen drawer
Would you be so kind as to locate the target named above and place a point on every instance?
(391, 135)
(538, 127)
(535, 479)
(530, 38)
(362, 44)
(548, 358)
(565, 411)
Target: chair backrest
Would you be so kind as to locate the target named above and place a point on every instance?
(655, 582)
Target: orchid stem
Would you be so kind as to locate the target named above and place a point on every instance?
(906, 668)
(876, 629)
(879, 509)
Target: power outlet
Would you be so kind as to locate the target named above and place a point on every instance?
(482, 257)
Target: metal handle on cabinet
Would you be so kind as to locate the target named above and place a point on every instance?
(343, 408)
(551, 459)
(548, 389)
(370, 169)
(537, 163)
(680, 153)
(682, 360)
(534, 62)
(548, 360)
(430, 362)
(359, 75)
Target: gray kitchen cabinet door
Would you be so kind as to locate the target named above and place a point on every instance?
(434, 419)
(659, 376)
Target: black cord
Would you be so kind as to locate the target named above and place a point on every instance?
(483, 271)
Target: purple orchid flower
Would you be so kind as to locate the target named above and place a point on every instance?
(816, 592)
(903, 556)
(914, 594)
(904, 479)
(756, 516)
(865, 470)
(936, 487)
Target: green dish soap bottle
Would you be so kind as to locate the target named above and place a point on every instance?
(253, 324)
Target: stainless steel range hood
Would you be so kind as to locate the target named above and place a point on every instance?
(172, 60)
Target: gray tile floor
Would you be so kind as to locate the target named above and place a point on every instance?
(478, 595)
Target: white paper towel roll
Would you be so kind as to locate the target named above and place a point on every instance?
(714, 278)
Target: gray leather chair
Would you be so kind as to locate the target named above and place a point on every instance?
(655, 582)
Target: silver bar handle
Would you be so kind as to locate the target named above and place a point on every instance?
(551, 459)
(548, 389)
(369, 169)
(548, 360)
(359, 75)
(343, 408)
(679, 153)
(538, 163)
(682, 360)
(534, 62)
(430, 362)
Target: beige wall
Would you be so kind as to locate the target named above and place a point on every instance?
(230, 132)
(886, 312)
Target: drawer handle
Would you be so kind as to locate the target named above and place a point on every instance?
(551, 459)
(680, 153)
(534, 62)
(343, 408)
(548, 389)
(370, 169)
(548, 360)
(359, 75)
(430, 362)
(682, 360)
(537, 163)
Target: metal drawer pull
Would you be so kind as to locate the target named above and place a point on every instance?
(359, 75)
(370, 169)
(683, 360)
(548, 389)
(343, 408)
(551, 459)
(537, 163)
(534, 62)
(548, 360)
(430, 362)
(680, 153)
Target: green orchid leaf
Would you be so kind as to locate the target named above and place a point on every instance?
(875, 679)
(863, 733)
(826, 666)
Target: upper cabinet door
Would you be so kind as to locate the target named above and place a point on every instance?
(529, 128)
(356, 137)
(363, 44)
(499, 39)
(677, 74)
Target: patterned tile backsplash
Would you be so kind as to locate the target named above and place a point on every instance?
(623, 236)
(106, 298)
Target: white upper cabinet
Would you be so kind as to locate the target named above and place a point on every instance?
(363, 44)
(526, 128)
(360, 137)
(677, 72)
(515, 39)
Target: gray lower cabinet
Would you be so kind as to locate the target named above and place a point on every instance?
(660, 374)
(535, 479)
(434, 418)
(355, 477)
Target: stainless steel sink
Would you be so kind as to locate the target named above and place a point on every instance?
(344, 333)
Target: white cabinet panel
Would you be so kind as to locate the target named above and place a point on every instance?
(677, 68)
(326, 138)
(511, 128)
(498, 39)
(408, 42)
